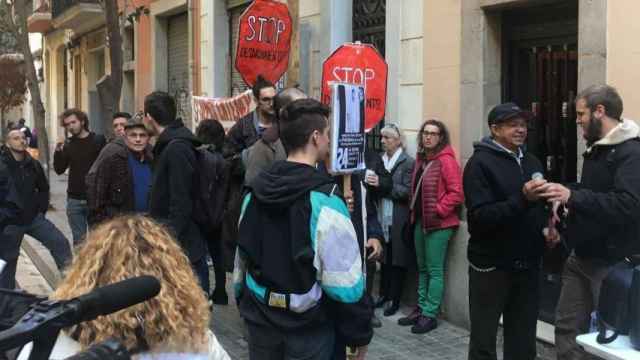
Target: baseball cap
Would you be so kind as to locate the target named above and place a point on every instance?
(503, 112)
(135, 122)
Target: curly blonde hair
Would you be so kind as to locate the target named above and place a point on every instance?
(128, 246)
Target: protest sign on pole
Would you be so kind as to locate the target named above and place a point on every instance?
(347, 128)
(264, 41)
(361, 64)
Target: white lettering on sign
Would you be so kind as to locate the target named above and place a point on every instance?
(269, 29)
(352, 75)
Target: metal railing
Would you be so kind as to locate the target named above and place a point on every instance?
(60, 6)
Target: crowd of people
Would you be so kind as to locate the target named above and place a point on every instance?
(303, 244)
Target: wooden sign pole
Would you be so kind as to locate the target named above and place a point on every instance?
(346, 191)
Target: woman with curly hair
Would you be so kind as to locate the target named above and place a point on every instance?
(176, 320)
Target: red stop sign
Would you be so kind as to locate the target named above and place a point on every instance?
(359, 64)
(264, 41)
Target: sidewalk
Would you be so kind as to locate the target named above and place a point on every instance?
(389, 342)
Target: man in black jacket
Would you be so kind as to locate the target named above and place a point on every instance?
(506, 244)
(29, 199)
(172, 196)
(603, 211)
(299, 267)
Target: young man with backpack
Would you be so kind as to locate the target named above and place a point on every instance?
(213, 186)
(77, 154)
(123, 179)
(299, 271)
(175, 171)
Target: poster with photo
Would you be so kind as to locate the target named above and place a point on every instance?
(347, 128)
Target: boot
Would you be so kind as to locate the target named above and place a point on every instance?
(219, 296)
(375, 322)
(424, 325)
(412, 318)
(392, 309)
(380, 302)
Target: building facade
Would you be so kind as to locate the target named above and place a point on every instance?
(448, 59)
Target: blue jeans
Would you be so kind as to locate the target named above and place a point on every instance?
(201, 269)
(77, 212)
(43, 231)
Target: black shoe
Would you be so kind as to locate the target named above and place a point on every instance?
(219, 297)
(392, 309)
(380, 302)
(424, 325)
(375, 322)
(412, 318)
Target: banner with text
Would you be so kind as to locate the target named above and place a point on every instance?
(347, 128)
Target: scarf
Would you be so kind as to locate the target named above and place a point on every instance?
(386, 204)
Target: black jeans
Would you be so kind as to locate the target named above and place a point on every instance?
(268, 343)
(515, 296)
(214, 244)
(392, 277)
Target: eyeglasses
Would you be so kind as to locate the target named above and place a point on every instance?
(429, 133)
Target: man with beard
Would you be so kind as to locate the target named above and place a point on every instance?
(77, 154)
(28, 199)
(602, 211)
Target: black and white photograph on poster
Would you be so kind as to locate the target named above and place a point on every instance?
(348, 137)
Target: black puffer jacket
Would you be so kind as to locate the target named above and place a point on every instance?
(172, 190)
(604, 208)
(31, 186)
(505, 228)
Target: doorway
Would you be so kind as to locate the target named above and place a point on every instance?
(369, 28)
(540, 73)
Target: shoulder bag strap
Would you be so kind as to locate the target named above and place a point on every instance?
(418, 185)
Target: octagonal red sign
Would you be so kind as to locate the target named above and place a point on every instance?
(264, 41)
(359, 64)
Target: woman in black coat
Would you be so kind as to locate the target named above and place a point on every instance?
(393, 213)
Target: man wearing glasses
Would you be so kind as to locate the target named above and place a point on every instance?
(506, 221)
(249, 129)
(244, 133)
(123, 179)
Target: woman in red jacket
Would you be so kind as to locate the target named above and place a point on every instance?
(437, 194)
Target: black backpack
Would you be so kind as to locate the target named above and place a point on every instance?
(616, 311)
(210, 188)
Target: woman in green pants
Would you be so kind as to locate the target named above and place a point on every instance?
(437, 194)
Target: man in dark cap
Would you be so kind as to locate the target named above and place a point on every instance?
(506, 223)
